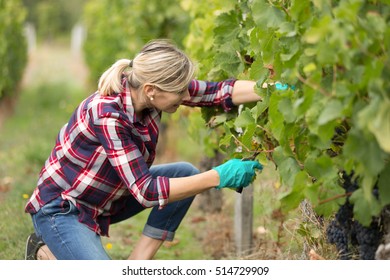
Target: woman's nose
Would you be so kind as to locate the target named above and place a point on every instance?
(186, 96)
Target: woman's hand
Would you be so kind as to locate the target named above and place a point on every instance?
(236, 173)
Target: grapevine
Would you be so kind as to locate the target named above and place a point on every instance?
(335, 117)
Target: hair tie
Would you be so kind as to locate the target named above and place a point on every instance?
(131, 63)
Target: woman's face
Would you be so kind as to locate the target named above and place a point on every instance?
(169, 101)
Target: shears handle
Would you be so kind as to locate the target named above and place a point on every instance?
(252, 157)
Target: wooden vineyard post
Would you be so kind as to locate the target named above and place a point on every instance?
(31, 37)
(243, 217)
(243, 221)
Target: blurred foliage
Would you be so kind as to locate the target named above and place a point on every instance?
(53, 17)
(337, 115)
(13, 48)
(118, 29)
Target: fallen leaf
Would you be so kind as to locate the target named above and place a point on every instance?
(169, 244)
(314, 256)
(199, 219)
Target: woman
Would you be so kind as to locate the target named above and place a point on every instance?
(100, 171)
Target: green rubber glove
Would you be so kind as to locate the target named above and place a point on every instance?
(236, 173)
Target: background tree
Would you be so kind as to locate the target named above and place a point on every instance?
(53, 18)
(13, 48)
(118, 29)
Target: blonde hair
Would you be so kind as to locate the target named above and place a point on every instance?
(159, 63)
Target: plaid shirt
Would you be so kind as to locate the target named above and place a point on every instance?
(103, 154)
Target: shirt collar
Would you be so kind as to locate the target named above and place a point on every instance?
(150, 114)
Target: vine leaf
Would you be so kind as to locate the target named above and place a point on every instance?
(267, 15)
(370, 159)
(244, 119)
(380, 126)
(364, 209)
(293, 199)
(288, 167)
(333, 110)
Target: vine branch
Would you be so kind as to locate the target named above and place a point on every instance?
(334, 198)
(249, 150)
(312, 85)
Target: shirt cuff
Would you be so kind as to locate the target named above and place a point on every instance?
(227, 89)
(164, 187)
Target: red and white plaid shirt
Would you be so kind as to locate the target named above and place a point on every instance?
(103, 154)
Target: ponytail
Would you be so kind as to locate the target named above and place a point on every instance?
(110, 81)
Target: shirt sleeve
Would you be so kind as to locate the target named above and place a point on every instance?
(125, 157)
(205, 93)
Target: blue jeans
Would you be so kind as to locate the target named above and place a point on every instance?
(67, 238)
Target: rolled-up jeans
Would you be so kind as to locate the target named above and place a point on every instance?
(67, 238)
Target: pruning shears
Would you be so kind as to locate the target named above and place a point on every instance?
(251, 157)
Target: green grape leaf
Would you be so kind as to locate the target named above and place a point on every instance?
(333, 110)
(259, 108)
(248, 134)
(300, 10)
(286, 108)
(258, 72)
(267, 15)
(364, 209)
(244, 119)
(288, 168)
(227, 28)
(226, 140)
(320, 167)
(275, 117)
(288, 29)
(365, 151)
(380, 126)
(296, 195)
(219, 119)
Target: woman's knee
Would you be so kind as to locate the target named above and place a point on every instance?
(174, 170)
(188, 169)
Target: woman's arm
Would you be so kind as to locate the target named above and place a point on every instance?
(184, 187)
(234, 173)
(227, 93)
(243, 92)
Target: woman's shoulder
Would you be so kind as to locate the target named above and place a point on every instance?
(100, 106)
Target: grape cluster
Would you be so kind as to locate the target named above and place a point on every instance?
(337, 235)
(350, 237)
(368, 239)
(338, 139)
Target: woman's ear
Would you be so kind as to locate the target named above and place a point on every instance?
(149, 91)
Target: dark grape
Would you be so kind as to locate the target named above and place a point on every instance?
(339, 131)
(344, 214)
(348, 234)
(368, 239)
(347, 183)
(336, 235)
